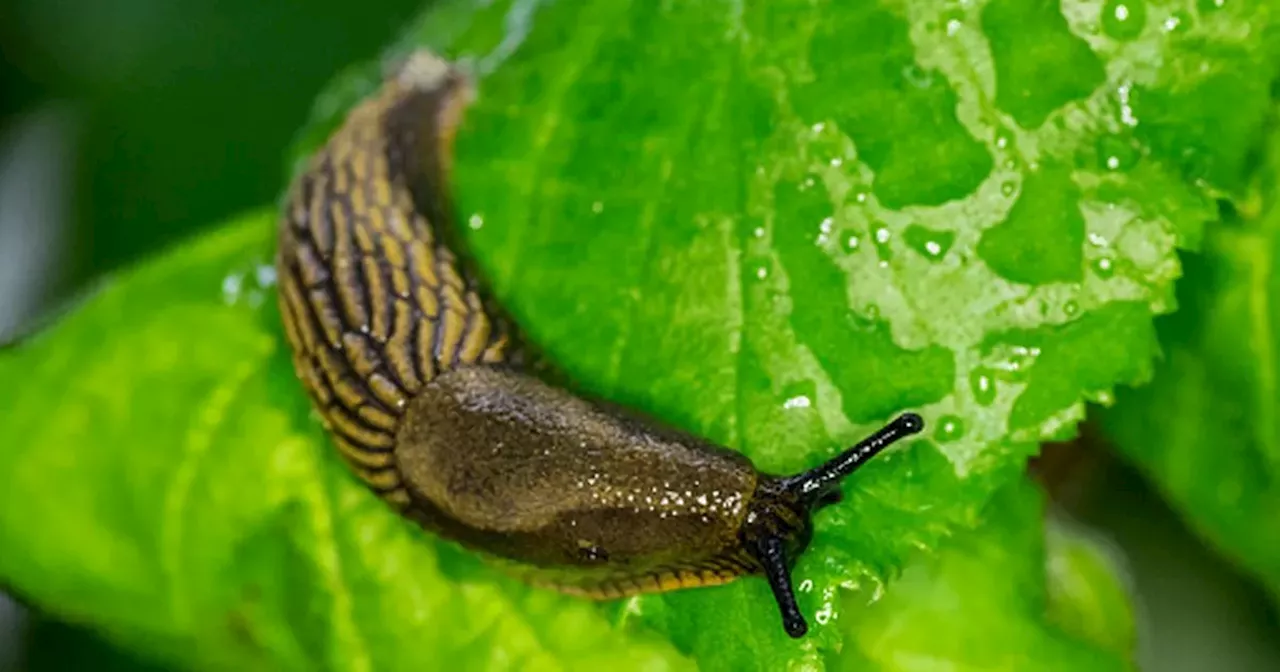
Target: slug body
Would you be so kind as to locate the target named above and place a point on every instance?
(425, 388)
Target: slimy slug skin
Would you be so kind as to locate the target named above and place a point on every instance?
(426, 387)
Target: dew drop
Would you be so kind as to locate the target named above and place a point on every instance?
(1002, 140)
(265, 275)
(982, 382)
(476, 221)
(597, 207)
(851, 243)
(1177, 22)
(1124, 19)
(799, 401)
(872, 311)
(1115, 153)
(932, 245)
(231, 288)
(950, 428)
(1104, 267)
(881, 235)
(1009, 188)
(824, 230)
(1124, 94)
(1071, 308)
(758, 232)
(1209, 6)
(762, 272)
(917, 76)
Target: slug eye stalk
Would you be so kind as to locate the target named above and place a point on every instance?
(813, 484)
(784, 514)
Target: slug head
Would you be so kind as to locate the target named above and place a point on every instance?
(778, 525)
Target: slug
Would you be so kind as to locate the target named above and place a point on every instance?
(426, 387)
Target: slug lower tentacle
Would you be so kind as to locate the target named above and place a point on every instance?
(424, 385)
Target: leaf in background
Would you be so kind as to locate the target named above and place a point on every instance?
(982, 604)
(1089, 591)
(1208, 431)
(773, 225)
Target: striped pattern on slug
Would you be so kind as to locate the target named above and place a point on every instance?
(374, 301)
(440, 407)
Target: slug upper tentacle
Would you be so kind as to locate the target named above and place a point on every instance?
(425, 386)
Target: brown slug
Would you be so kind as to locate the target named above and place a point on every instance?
(425, 387)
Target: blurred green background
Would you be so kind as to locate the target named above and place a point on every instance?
(126, 125)
(129, 124)
(179, 111)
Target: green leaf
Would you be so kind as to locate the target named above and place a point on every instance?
(1207, 431)
(167, 484)
(982, 603)
(1089, 593)
(775, 226)
(169, 487)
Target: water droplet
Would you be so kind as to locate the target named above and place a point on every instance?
(881, 234)
(824, 230)
(1105, 397)
(799, 401)
(1123, 94)
(931, 244)
(597, 207)
(806, 184)
(1177, 22)
(851, 243)
(860, 197)
(1071, 308)
(231, 287)
(1018, 362)
(1124, 19)
(1116, 153)
(982, 382)
(1003, 140)
(762, 272)
(1209, 6)
(265, 275)
(953, 27)
(836, 162)
(758, 232)
(872, 311)
(818, 127)
(1009, 188)
(949, 428)
(476, 221)
(917, 76)
(1104, 267)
